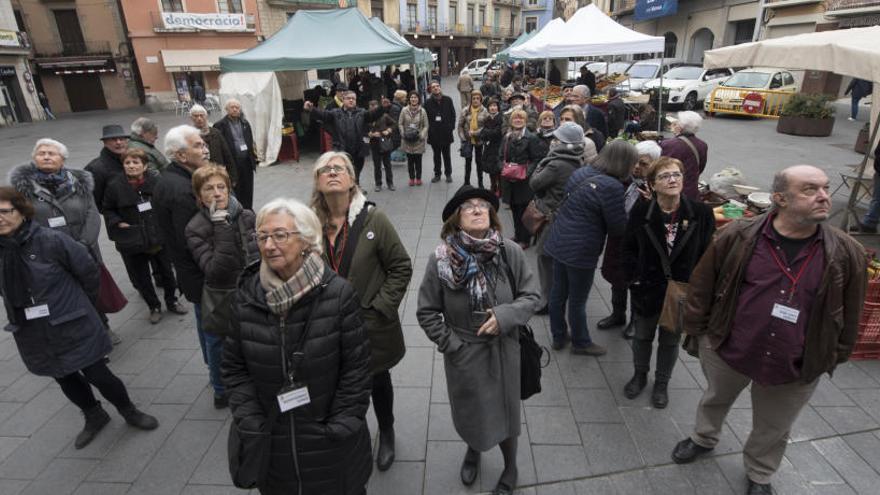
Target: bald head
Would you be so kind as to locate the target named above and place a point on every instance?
(782, 179)
(801, 194)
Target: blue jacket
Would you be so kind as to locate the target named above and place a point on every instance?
(62, 275)
(593, 207)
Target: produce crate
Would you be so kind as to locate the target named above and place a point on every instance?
(868, 343)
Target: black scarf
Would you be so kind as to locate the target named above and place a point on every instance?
(57, 183)
(15, 273)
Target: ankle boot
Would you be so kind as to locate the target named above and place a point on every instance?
(630, 331)
(615, 319)
(635, 385)
(385, 455)
(138, 418)
(96, 419)
(470, 467)
(659, 397)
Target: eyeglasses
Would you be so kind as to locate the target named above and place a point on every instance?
(669, 175)
(7, 212)
(326, 169)
(474, 207)
(278, 237)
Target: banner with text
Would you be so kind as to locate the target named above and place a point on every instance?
(652, 9)
(204, 22)
(9, 38)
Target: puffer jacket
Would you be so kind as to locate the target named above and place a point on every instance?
(63, 276)
(833, 324)
(122, 203)
(222, 250)
(349, 128)
(417, 120)
(155, 159)
(552, 173)
(524, 150)
(464, 123)
(175, 205)
(593, 209)
(73, 202)
(103, 168)
(323, 446)
(491, 136)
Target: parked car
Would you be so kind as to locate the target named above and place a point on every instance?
(477, 68)
(689, 84)
(755, 78)
(599, 68)
(643, 71)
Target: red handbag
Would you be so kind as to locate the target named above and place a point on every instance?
(511, 171)
(110, 298)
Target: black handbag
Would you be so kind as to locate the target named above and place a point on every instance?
(466, 150)
(530, 352)
(411, 135)
(217, 310)
(249, 451)
(386, 144)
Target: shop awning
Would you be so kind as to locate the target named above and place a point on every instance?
(195, 60)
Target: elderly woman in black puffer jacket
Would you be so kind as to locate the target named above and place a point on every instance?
(300, 340)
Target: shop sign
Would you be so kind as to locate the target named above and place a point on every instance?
(7, 70)
(204, 22)
(860, 21)
(9, 38)
(652, 9)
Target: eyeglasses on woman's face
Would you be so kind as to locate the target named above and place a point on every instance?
(7, 212)
(279, 237)
(668, 176)
(326, 169)
(472, 207)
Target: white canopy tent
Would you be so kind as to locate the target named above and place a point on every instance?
(849, 52)
(259, 94)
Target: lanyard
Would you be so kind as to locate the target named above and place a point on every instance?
(785, 270)
(336, 259)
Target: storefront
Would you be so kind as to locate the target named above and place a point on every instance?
(186, 68)
(84, 82)
(13, 108)
(18, 101)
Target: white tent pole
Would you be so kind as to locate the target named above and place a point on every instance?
(660, 97)
(546, 77)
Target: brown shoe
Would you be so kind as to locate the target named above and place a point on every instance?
(590, 350)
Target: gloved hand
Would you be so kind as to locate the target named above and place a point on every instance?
(217, 216)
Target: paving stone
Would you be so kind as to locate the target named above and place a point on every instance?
(492, 464)
(814, 468)
(62, 476)
(403, 477)
(203, 407)
(552, 425)
(867, 399)
(138, 357)
(867, 445)
(12, 487)
(655, 434)
(162, 371)
(8, 445)
(414, 336)
(553, 391)
(594, 406)
(595, 486)
(32, 456)
(609, 448)
(214, 466)
(440, 426)
(578, 371)
(631, 482)
(33, 415)
(848, 375)
(213, 490)
(849, 464)
(25, 388)
(846, 419)
(443, 477)
(827, 394)
(183, 389)
(195, 366)
(668, 479)
(89, 488)
(560, 462)
(410, 371)
(566, 488)
(411, 405)
(439, 390)
(705, 476)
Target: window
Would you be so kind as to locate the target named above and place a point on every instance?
(432, 17)
(378, 10)
(531, 24)
(670, 44)
(533, 3)
(453, 13)
(19, 20)
(483, 16)
(744, 31)
(496, 16)
(787, 78)
(470, 16)
(411, 16)
(172, 5)
(229, 6)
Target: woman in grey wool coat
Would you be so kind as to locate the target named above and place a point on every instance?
(468, 308)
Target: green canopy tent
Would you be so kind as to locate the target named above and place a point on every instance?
(324, 39)
(504, 55)
(423, 59)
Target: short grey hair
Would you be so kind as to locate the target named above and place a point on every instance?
(649, 148)
(582, 90)
(307, 222)
(230, 102)
(58, 145)
(617, 159)
(143, 125)
(175, 139)
(689, 122)
(197, 109)
(780, 182)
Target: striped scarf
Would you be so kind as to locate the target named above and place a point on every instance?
(465, 262)
(281, 295)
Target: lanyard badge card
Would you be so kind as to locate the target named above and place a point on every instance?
(296, 393)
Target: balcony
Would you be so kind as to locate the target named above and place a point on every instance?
(56, 49)
(512, 3)
(159, 25)
(534, 5)
(833, 5)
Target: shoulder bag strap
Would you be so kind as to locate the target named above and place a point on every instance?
(353, 238)
(693, 148)
(509, 270)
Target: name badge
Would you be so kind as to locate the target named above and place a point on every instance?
(366, 140)
(438, 118)
(56, 222)
(243, 147)
(35, 312)
(293, 397)
(785, 313)
(145, 206)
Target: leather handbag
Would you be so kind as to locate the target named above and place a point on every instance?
(512, 171)
(110, 298)
(386, 144)
(534, 219)
(672, 316)
(466, 150)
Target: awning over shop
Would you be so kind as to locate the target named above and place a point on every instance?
(77, 66)
(195, 60)
(323, 39)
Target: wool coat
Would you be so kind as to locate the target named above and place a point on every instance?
(380, 273)
(464, 122)
(418, 120)
(122, 203)
(155, 159)
(103, 168)
(75, 204)
(324, 446)
(219, 152)
(525, 151)
(482, 372)
(224, 125)
(63, 276)
(441, 120)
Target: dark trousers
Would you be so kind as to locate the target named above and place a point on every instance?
(667, 348)
(520, 232)
(358, 162)
(138, 267)
(383, 399)
(478, 158)
(442, 151)
(571, 288)
(381, 159)
(244, 189)
(78, 387)
(618, 300)
(414, 165)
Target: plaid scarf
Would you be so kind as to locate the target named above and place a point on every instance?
(465, 262)
(281, 295)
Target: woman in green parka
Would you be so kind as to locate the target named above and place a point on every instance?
(361, 245)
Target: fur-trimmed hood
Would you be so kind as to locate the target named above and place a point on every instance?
(23, 178)
(358, 202)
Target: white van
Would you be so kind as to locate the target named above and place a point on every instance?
(477, 68)
(644, 70)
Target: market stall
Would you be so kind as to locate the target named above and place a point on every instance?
(315, 39)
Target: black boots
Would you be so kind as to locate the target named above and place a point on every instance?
(385, 455)
(687, 451)
(630, 331)
(470, 467)
(618, 311)
(634, 387)
(96, 419)
(615, 319)
(140, 420)
(659, 398)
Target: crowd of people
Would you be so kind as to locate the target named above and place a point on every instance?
(296, 305)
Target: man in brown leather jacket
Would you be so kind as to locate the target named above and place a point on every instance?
(775, 303)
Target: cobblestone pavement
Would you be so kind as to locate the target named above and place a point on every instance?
(580, 436)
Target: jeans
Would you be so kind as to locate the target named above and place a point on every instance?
(571, 285)
(854, 107)
(381, 158)
(667, 349)
(78, 387)
(138, 267)
(478, 158)
(383, 399)
(442, 151)
(872, 216)
(212, 351)
(414, 165)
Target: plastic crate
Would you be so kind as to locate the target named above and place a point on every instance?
(866, 350)
(873, 292)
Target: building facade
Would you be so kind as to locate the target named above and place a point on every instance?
(177, 43)
(536, 14)
(274, 14)
(81, 58)
(19, 100)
